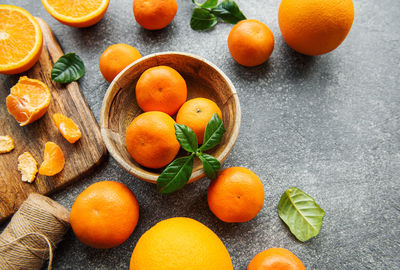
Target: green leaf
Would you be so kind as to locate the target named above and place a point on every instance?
(228, 11)
(186, 137)
(206, 4)
(301, 213)
(211, 165)
(176, 175)
(214, 131)
(68, 68)
(202, 19)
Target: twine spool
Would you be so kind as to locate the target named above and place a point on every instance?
(32, 234)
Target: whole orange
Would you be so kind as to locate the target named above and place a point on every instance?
(151, 140)
(105, 214)
(180, 244)
(276, 259)
(250, 43)
(161, 89)
(315, 27)
(115, 58)
(154, 14)
(237, 195)
(196, 113)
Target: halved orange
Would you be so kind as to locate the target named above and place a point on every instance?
(53, 160)
(67, 127)
(21, 40)
(28, 100)
(77, 13)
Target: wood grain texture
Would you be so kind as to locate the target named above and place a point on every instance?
(67, 99)
(203, 79)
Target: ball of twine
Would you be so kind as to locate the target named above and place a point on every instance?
(33, 233)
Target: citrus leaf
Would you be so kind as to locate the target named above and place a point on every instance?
(186, 137)
(229, 12)
(68, 68)
(202, 19)
(206, 4)
(214, 131)
(176, 175)
(211, 165)
(301, 213)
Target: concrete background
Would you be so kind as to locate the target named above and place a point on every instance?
(328, 125)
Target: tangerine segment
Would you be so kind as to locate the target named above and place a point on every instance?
(21, 40)
(162, 89)
(276, 259)
(77, 13)
(28, 100)
(27, 165)
(6, 144)
(67, 127)
(196, 113)
(53, 160)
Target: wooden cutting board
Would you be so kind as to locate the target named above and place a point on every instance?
(67, 99)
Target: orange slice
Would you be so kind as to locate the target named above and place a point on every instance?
(28, 100)
(27, 165)
(67, 127)
(6, 144)
(77, 13)
(53, 160)
(21, 40)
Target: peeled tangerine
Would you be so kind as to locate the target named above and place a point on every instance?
(67, 127)
(53, 160)
(180, 244)
(27, 165)
(28, 100)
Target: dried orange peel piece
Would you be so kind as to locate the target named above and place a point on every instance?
(6, 144)
(53, 160)
(28, 100)
(67, 127)
(77, 13)
(21, 40)
(27, 165)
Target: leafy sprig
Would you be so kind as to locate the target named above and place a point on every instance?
(178, 172)
(68, 68)
(205, 15)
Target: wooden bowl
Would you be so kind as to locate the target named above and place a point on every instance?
(203, 79)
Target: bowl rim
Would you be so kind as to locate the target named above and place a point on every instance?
(109, 96)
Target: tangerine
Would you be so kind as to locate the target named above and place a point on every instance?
(53, 160)
(67, 127)
(276, 259)
(154, 14)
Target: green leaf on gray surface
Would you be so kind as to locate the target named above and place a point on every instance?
(202, 19)
(211, 165)
(213, 134)
(301, 213)
(229, 12)
(176, 175)
(68, 68)
(206, 4)
(186, 137)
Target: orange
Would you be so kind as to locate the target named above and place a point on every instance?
(53, 160)
(27, 166)
(250, 43)
(237, 195)
(161, 89)
(315, 27)
(196, 113)
(77, 13)
(115, 58)
(276, 259)
(28, 100)
(154, 14)
(180, 244)
(151, 140)
(105, 214)
(67, 127)
(20, 41)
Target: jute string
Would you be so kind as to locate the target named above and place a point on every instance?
(32, 234)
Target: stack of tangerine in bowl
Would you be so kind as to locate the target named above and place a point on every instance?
(131, 88)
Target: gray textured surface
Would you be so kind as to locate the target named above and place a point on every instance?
(328, 125)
